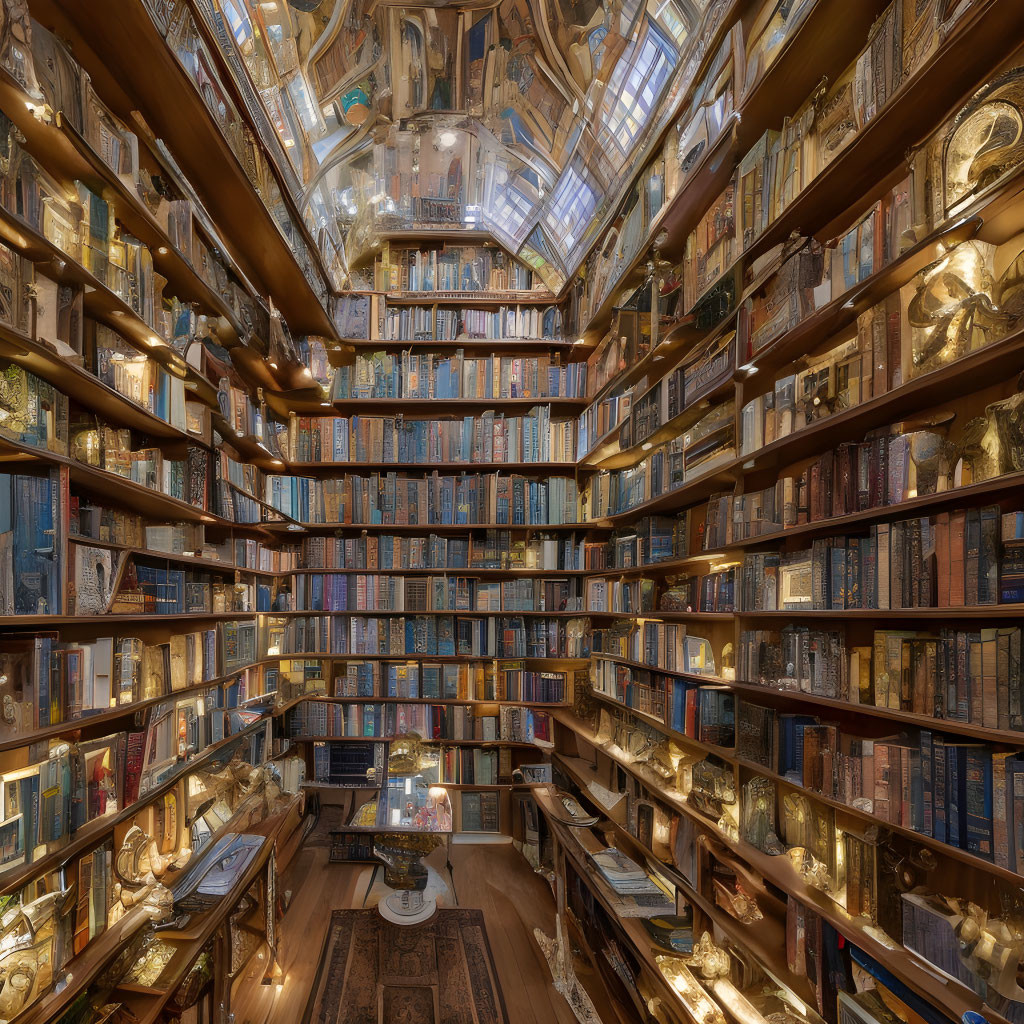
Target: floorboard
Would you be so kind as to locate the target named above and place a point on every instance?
(491, 877)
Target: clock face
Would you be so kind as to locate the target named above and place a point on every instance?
(978, 144)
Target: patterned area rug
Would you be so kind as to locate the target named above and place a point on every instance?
(374, 972)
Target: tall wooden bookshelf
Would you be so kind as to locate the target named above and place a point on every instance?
(774, 676)
(634, 530)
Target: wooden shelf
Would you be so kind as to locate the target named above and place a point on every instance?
(111, 486)
(662, 727)
(696, 489)
(101, 303)
(986, 33)
(470, 300)
(969, 495)
(774, 695)
(779, 871)
(989, 611)
(980, 368)
(549, 662)
(977, 369)
(449, 571)
(148, 1004)
(211, 564)
(368, 406)
(708, 680)
(559, 345)
(522, 468)
(138, 71)
(438, 528)
(445, 701)
(833, 32)
(20, 622)
(465, 613)
(571, 842)
(90, 833)
(611, 456)
(767, 942)
(954, 852)
(66, 155)
(657, 616)
(90, 723)
(84, 388)
(431, 740)
(826, 322)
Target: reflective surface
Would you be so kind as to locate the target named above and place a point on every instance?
(522, 119)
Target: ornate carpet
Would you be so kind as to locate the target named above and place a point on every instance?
(374, 972)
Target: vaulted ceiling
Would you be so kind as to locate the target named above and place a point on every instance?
(520, 118)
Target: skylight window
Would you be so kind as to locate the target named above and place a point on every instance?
(572, 205)
(635, 87)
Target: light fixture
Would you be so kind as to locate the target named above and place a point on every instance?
(446, 139)
(273, 366)
(646, 446)
(162, 251)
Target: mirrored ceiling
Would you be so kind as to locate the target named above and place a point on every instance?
(522, 119)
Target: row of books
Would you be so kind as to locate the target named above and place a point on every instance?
(956, 792)
(35, 413)
(67, 785)
(481, 549)
(332, 766)
(595, 424)
(91, 520)
(709, 444)
(626, 596)
(336, 592)
(437, 635)
(704, 713)
(679, 390)
(245, 416)
(424, 323)
(215, 484)
(394, 499)
(46, 681)
(138, 378)
(390, 720)
(490, 437)
(813, 276)
(103, 580)
(83, 229)
(664, 645)
(649, 540)
(67, 87)
(483, 681)
(450, 269)
(959, 675)
(851, 477)
(894, 342)
(783, 163)
(965, 558)
(713, 591)
(431, 375)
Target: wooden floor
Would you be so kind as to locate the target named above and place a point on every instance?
(491, 877)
